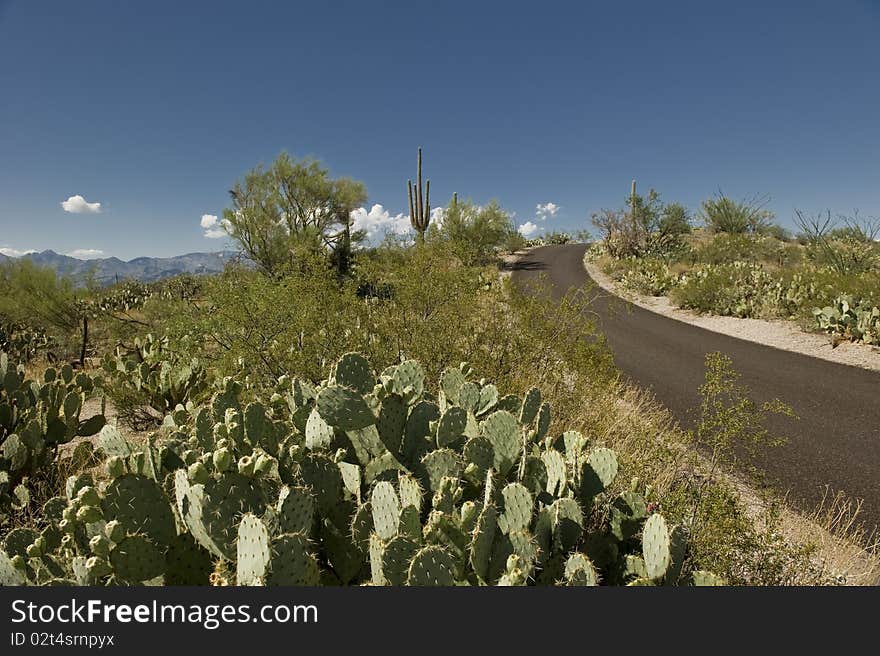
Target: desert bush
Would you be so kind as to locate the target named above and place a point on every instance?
(552, 239)
(38, 299)
(647, 276)
(739, 289)
(646, 227)
(474, 233)
(150, 379)
(725, 248)
(848, 249)
(723, 214)
(625, 232)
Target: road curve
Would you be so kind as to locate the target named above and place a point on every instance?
(836, 440)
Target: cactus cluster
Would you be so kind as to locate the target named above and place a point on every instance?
(22, 343)
(35, 419)
(850, 318)
(358, 479)
(159, 377)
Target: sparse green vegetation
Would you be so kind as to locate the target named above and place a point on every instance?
(408, 418)
(743, 265)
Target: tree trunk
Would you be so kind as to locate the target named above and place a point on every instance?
(85, 341)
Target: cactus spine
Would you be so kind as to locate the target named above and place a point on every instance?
(419, 206)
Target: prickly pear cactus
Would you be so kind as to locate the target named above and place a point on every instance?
(357, 479)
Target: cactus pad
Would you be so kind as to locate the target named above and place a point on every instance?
(291, 563)
(344, 409)
(440, 464)
(409, 380)
(530, 406)
(450, 384)
(704, 578)
(554, 465)
(386, 510)
(392, 422)
(451, 427)
(395, 559)
(252, 550)
(296, 510)
(488, 399)
(482, 540)
(656, 546)
(502, 431)
(137, 559)
(469, 396)
(186, 563)
(579, 570)
(353, 371)
(319, 434)
(410, 492)
(432, 566)
(139, 504)
(598, 472)
(517, 513)
(322, 475)
(568, 524)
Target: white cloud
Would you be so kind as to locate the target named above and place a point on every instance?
(437, 216)
(378, 222)
(214, 227)
(14, 252)
(78, 205)
(86, 253)
(547, 210)
(528, 229)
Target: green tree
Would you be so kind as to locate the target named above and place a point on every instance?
(291, 209)
(37, 297)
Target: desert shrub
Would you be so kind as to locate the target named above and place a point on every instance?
(514, 242)
(38, 299)
(645, 227)
(725, 248)
(739, 289)
(647, 276)
(723, 214)
(848, 249)
(474, 233)
(267, 326)
(150, 379)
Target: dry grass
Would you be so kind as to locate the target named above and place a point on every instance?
(839, 549)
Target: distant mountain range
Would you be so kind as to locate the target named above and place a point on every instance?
(107, 271)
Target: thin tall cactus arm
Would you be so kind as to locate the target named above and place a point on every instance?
(427, 215)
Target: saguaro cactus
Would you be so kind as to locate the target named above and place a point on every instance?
(419, 206)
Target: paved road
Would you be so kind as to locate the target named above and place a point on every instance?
(835, 442)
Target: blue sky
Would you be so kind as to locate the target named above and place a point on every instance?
(153, 109)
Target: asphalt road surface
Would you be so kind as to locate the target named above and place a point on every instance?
(836, 440)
